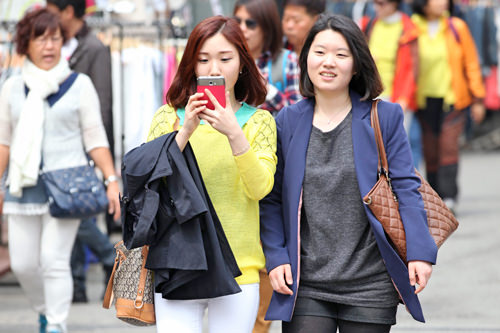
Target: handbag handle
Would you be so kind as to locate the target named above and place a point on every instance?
(382, 157)
(139, 302)
(108, 294)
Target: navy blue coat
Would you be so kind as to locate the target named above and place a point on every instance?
(166, 206)
(279, 211)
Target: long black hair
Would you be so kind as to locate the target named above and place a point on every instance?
(366, 80)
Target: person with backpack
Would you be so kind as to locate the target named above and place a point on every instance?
(260, 22)
(449, 83)
(393, 41)
(48, 115)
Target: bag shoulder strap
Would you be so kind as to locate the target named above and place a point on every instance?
(284, 66)
(277, 70)
(108, 294)
(382, 160)
(139, 300)
(453, 29)
(63, 88)
(367, 30)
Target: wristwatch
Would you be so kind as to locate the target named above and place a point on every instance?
(112, 178)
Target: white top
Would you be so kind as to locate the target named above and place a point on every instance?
(72, 125)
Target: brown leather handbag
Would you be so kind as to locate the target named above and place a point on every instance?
(383, 202)
(131, 287)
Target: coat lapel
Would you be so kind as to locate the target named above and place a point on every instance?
(297, 150)
(364, 146)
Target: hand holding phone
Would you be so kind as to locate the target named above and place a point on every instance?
(216, 85)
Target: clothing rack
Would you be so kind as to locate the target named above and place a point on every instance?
(8, 25)
(162, 34)
(158, 34)
(7, 30)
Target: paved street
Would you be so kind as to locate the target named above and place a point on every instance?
(463, 295)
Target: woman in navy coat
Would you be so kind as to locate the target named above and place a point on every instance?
(329, 261)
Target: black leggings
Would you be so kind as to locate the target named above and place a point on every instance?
(316, 324)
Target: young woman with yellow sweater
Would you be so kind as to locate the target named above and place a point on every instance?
(235, 148)
(393, 41)
(449, 82)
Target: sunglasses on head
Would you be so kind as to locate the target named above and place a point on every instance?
(250, 23)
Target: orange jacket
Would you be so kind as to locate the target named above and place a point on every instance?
(466, 79)
(405, 76)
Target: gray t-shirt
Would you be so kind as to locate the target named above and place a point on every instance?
(340, 260)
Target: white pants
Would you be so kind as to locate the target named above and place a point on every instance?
(40, 250)
(233, 313)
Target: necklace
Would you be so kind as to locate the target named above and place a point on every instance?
(336, 115)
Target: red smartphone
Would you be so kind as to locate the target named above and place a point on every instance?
(216, 85)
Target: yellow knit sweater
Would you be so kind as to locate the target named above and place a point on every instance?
(235, 184)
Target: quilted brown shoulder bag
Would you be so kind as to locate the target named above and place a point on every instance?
(383, 202)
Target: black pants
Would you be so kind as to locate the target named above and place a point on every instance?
(318, 316)
(441, 130)
(306, 324)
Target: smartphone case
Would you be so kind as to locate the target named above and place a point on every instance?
(219, 91)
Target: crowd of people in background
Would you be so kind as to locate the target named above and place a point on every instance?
(299, 84)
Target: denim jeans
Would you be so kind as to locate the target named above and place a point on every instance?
(412, 127)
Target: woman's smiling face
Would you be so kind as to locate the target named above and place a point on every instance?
(330, 64)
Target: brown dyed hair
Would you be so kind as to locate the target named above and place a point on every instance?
(250, 86)
(34, 24)
(266, 14)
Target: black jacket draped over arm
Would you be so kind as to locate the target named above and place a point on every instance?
(165, 205)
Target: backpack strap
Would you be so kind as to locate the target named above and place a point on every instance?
(453, 29)
(285, 67)
(52, 99)
(369, 25)
(277, 70)
(270, 71)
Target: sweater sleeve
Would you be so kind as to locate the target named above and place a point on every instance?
(258, 164)
(93, 131)
(5, 120)
(471, 61)
(162, 123)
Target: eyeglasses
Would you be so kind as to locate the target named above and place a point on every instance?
(250, 23)
(43, 40)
